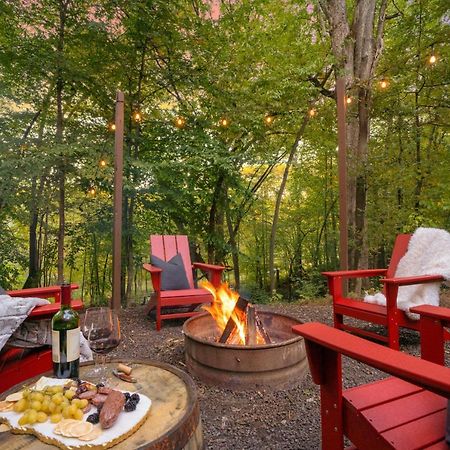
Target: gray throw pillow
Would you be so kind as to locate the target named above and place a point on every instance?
(173, 276)
(2, 291)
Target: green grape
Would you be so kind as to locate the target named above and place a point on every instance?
(36, 405)
(41, 417)
(21, 405)
(55, 418)
(32, 416)
(57, 398)
(69, 394)
(78, 415)
(26, 393)
(23, 420)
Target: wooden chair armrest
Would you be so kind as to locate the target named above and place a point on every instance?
(214, 271)
(404, 281)
(207, 267)
(433, 335)
(356, 273)
(320, 337)
(152, 269)
(155, 273)
(41, 292)
(434, 312)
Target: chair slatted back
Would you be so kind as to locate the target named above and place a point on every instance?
(399, 250)
(167, 246)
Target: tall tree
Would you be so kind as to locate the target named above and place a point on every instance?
(356, 32)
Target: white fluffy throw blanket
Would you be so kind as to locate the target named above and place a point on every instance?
(428, 254)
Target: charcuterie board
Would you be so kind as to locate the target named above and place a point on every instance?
(68, 433)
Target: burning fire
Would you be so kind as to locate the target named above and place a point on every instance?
(223, 307)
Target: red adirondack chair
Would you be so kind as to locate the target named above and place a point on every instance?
(407, 411)
(165, 247)
(388, 316)
(18, 364)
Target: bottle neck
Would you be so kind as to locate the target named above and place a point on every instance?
(66, 294)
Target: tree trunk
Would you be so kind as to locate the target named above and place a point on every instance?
(63, 5)
(280, 194)
(214, 214)
(356, 49)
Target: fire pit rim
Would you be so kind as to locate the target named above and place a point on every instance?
(239, 346)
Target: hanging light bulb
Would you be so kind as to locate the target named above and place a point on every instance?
(269, 119)
(180, 122)
(137, 116)
(224, 122)
(348, 100)
(384, 83)
(112, 127)
(312, 112)
(432, 59)
(102, 163)
(92, 191)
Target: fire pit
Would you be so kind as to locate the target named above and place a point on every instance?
(275, 365)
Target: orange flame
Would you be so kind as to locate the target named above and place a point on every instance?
(222, 308)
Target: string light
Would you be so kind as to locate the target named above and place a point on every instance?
(384, 83)
(348, 100)
(224, 122)
(180, 122)
(102, 163)
(432, 59)
(137, 116)
(268, 119)
(92, 191)
(312, 112)
(112, 127)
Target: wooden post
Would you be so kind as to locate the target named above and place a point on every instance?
(118, 184)
(342, 165)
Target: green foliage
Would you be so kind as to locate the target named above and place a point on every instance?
(216, 184)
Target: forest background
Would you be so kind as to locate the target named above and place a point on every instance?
(230, 136)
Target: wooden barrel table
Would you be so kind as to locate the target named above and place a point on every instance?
(173, 423)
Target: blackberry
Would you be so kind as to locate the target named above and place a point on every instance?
(135, 398)
(93, 418)
(130, 405)
(127, 396)
(99, 385)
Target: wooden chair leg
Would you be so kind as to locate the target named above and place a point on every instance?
(393, 332)
(338, 321)
(158, 315)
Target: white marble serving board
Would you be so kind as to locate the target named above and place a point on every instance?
(125, 422)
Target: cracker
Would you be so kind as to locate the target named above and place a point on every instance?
(79, 429)
(14, 397)
(62, 425)
(6, 406)
(94, 434)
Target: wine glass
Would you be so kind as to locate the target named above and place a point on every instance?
(101, 328)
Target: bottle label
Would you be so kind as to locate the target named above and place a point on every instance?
(65, 345)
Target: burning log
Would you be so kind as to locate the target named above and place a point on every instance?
(262, 330)
(254, 328)
(240, 307)
(251, 335)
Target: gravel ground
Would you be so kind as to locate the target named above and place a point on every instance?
(288, 419)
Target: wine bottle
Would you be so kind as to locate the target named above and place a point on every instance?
(66, 338)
